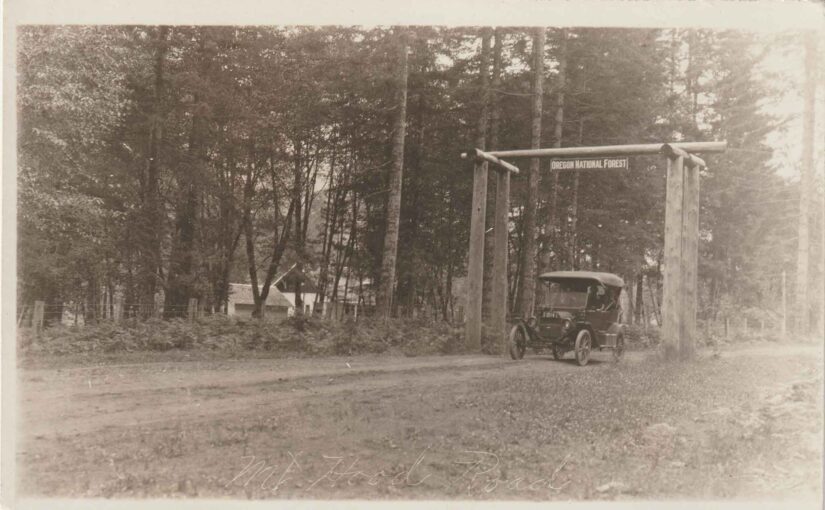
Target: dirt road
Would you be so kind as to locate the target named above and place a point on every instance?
(82, 400)
(193, 428)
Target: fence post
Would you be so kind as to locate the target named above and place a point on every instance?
(193, 309)
(23, 313)
(37, 318)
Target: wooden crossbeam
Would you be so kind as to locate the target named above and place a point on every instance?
(480, 155)
(672, 152)
(612, 150)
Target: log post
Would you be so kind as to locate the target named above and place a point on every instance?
(498, 301)
(475, 263)
(644, 303)
(690, 261)
(672, 299)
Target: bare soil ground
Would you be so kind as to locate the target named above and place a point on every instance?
(741, 423)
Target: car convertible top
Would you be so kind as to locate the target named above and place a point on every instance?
(609, 279)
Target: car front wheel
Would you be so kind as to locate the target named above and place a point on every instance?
(583, 343)
(518, 343)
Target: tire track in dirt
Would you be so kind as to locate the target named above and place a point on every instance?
(60, 404)
(86, 399)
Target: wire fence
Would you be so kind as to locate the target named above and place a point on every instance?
(39, 315)
(738, 327)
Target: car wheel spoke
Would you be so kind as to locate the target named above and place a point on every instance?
(583, 347)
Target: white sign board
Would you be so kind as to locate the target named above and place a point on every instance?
(601, 163)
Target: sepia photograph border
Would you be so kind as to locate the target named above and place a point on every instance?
(751, 16)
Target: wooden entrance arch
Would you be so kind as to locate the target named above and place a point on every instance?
(681, 234)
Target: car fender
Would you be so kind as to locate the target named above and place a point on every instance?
(580, 326)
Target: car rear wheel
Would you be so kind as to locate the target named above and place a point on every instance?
(618, 351)
(517, 343)
(583, 343)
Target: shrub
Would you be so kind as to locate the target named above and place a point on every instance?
(296, 335)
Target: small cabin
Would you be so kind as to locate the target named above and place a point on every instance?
(241, 302)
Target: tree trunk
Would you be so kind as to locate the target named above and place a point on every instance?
(657, 312)
(258, 309)
(495, 106)
(407, 289)
(558, 135)
(803, 305)
(386, 285)
(90, 315)
(528, 256)
(181, 270)
(645, 316)
(279, 240)
(639, 297)
(330, 219)
(574, 210)
(153, 215)
(449, 308)
(183, 266)
(481, 143)
(297, 198)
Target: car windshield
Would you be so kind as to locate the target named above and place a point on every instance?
(565, 294)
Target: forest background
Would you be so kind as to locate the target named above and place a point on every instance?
(161, 163)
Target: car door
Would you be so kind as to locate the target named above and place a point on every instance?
(599, 319)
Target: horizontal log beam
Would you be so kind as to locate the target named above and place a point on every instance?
(479, 154)
(690, 160)
(611, 150)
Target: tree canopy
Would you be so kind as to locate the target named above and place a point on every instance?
(163, 163)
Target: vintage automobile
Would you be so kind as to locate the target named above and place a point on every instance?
(576, 311)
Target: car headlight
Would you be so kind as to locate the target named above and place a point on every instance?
(567, 325)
